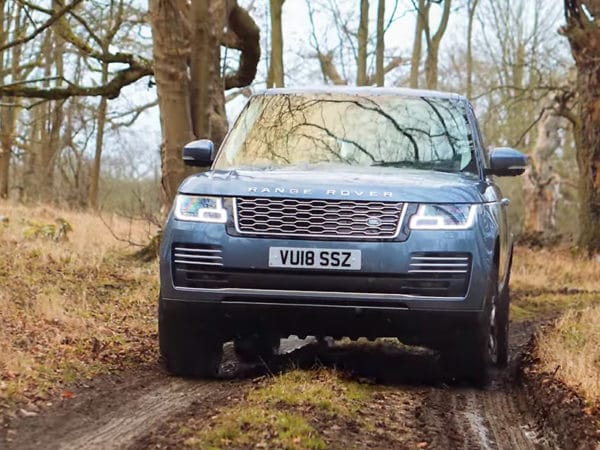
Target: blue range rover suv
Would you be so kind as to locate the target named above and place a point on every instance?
(358, 212)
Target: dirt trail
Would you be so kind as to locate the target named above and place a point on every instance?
(116, 412)
(498, 417)
(465, 419)
(121, 413)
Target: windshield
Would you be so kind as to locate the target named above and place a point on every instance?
(358, 130)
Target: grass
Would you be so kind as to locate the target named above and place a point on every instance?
(72, 303)
(282, 413)
(558, 283)
(571, 348)
(553, 270)
(547, 282)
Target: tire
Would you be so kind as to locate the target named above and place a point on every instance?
(502, 327)
(471, 355)
(188, 349)
(256, 347)
(467, 358)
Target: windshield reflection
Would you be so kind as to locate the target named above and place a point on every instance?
(381, 130)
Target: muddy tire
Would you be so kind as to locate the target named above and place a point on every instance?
(256, 348)
(502, 328)
(471, 356)
(467, 358)
(188, 349)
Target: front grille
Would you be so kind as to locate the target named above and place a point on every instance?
(317, 218)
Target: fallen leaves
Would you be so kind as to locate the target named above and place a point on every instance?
(61, 324)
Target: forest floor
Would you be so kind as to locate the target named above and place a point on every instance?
(79, 366)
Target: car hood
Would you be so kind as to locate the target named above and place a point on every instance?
(371, 183)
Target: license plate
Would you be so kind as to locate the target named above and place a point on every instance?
(314, 258)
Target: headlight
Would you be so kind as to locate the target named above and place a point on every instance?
(200, 209)
(443, 217)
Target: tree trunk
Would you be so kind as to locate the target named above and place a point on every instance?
(5, 113)
(39, 182)
(170, 73)
(100, 124)
(187, 39)
(542, 185)
(471, 10)
(363, 36)
(415, 60)
(379, 51)
(433, 48)
(8, 123)
(275, 78)
(583, 31)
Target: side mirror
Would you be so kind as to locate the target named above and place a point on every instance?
(198, 153)
(506, 162)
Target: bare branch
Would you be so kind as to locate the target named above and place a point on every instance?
(53, 19)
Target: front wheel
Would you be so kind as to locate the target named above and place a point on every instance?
(471, 355)
(189, 349)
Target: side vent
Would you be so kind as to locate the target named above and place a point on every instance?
(440, 263)
(198, 256)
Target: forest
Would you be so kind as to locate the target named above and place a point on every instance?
(98, 99)
(83, 84)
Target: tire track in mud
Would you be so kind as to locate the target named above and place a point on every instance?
(126, 413)
(465, 418)
(116, 417)
(118, 412)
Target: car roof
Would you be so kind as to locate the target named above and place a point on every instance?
(363, 90)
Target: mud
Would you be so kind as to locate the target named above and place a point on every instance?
(132, 410)
(559, 408)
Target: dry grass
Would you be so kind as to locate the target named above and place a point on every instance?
(546, 282)
(555, 283)
(572, 349)
(70, 306)
(555, 269)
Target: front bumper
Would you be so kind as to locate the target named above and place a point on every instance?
(247, 282)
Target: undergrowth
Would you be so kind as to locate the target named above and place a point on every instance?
(72, 303)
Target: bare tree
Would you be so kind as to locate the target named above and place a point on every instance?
(187, 39)
(354, 49)
(433, 46)
(45, 48)
(582, 29)
(471, 7)
(83, 40)
(432, 38)
(422, 10)
(363, 35)
(380, 48)
(542, 183)
(275, 76)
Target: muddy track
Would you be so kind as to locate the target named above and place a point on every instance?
(497, 417)
(124, 411)
(117, 411)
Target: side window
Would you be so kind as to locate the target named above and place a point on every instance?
(480, 142)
